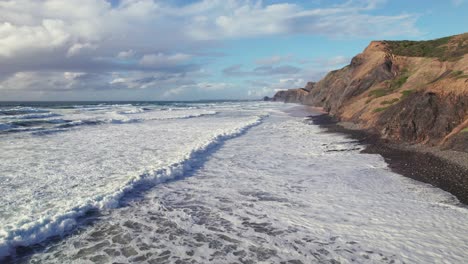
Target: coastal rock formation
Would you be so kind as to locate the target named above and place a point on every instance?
(294, 95)
(406, 91)
(291, 95)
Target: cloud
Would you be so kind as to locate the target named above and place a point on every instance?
(78, 47)
(235, 19)
(45, 81)
(332, 62)
(261, 89)
(276, 59)
(126, 54)
(196, 87)
(148, 44)
(457, 2)
(47, 35)
(271, 70)
(163, 59)
(313, 71)
(236, 70)
(207, 86)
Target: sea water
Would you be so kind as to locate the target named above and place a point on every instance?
(207, 182)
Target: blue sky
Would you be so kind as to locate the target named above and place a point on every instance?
(192, 50)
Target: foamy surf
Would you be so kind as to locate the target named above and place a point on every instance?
(46, 122)
(26, 232)
(283, 192)
(261, 190)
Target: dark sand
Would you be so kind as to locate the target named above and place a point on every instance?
(417, 165)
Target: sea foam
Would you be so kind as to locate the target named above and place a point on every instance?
(28, 231)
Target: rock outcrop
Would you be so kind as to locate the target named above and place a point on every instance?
(293, 95)
(408, 91)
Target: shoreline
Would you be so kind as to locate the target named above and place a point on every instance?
(414, 163)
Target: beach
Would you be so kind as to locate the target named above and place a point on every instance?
(447, 170)
(277, 189)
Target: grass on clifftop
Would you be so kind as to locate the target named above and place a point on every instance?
(448, 48)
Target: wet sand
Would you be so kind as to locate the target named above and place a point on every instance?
(410, 162)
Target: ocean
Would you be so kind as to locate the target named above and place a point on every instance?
(207, 182)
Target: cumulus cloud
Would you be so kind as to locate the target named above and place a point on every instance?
(15, 39)
(78, 47)
(146, 43)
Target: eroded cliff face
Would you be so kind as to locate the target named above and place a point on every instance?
(407, 91)
(293, 95)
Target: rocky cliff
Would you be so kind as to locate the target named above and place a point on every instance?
(293, 95)
(410, 91)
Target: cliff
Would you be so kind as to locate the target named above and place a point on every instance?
(293, 95)
(406, 91)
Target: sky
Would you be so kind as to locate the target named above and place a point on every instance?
(56, 50)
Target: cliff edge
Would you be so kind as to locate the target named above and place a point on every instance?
(406, 91)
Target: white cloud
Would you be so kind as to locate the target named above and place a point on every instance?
(15, 39)
(35, 25)
(78, 47)
(457, 2)
(163, 59)
(147, 44)
(38, 80)
(236, 18)
(126, 54)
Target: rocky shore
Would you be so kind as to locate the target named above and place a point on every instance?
(408, 101)
(438, 168)
(413, 92)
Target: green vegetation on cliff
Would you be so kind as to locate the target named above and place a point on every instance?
(448, 48)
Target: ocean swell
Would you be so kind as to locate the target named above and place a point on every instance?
(33, 232)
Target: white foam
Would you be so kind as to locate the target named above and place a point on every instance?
(73, 178)
(278, 194)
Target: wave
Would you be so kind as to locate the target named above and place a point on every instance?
(29, 116)
(49, 126)
(36, 123)
(34, 232)
(135, 111)
(5, 127)
(209, 113)
(38, 116)
(20, 111)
